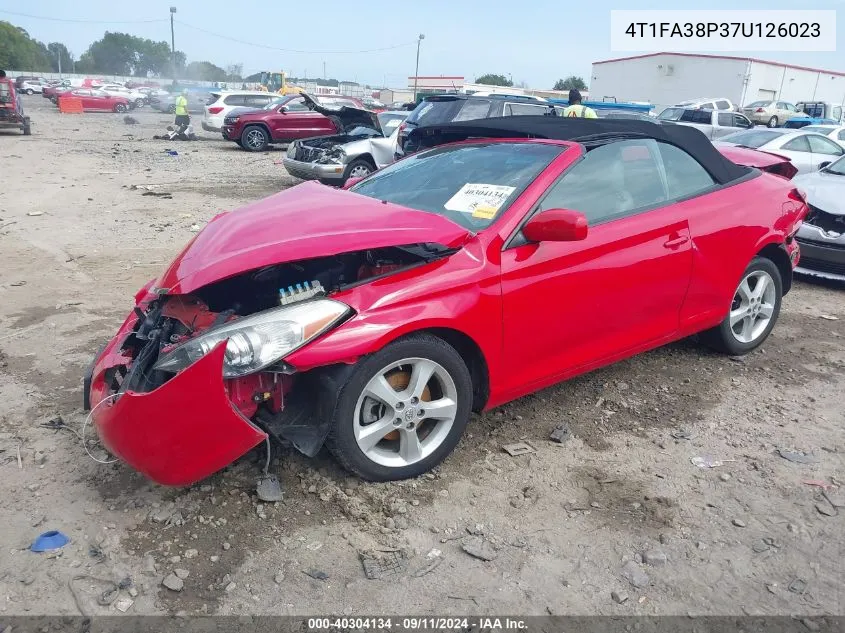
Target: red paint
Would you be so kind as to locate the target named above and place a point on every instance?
(104, 102)
(767, 161)
(556, 225)
(285, 126)
(180, 433)
(539, 312)
(306, 221)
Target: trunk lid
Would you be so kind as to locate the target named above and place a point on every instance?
(306, 221)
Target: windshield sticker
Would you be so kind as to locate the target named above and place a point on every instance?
(484, 213)
(474, 195)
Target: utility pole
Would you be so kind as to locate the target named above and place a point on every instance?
(417, 71)
(173, 43)
(59, 55)
(324, 69)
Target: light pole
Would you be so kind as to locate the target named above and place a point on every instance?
(173, 43)
(417, 71)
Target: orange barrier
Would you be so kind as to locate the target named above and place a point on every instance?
(70, 105)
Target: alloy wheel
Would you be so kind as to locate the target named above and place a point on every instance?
(753, 306)
(359, 171)
(405, 412)
(254, 139)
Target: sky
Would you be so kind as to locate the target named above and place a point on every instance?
(537, 42)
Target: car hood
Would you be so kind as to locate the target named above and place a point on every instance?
(824, 191)
(303, 222)
(349, 117)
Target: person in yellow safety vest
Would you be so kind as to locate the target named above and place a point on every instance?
(575, 108)
(182, 118)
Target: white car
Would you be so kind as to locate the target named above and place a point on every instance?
(116, 90)
(33, 86)
(807, 151)
(716, 103)
(220, 103)
(835, 133)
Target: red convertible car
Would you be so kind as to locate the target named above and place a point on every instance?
(506, 256)
(98, 100)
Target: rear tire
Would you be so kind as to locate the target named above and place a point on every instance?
(254, 138)
(120, 107)
(27, 127)
(139, 103)
(30, 91)
(400, 452)
(754, 310)
(773, 122)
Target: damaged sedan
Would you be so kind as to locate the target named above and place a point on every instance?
(506, 256)
(366, 143)
(822, 236)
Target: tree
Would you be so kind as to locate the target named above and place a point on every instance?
(18, 51)
(59, 51)
(234, 72)
(205, 71)
(570, 83)
(494, 80)
(124, 54)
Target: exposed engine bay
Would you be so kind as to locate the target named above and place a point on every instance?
(825, 221)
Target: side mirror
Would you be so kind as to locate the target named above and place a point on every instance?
(283, 109)
(556, 225)
(824, 164)
(351, 182)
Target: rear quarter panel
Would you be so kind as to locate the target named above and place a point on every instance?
(728, 228)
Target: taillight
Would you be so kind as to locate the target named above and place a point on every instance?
(215, 110)
(759, 110)
(402, 127)
(799, 195)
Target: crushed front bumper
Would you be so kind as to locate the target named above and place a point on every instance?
(826, 261)
(314, 171)
(177, 434)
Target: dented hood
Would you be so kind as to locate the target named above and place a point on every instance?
(824, 190)
(306, 221)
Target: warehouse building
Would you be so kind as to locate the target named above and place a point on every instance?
(667, 78)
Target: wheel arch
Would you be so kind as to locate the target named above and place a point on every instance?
(778, 255)
(367, 156)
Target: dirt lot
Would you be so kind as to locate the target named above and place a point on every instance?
(619, 504)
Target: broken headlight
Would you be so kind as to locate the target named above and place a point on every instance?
(259, 340)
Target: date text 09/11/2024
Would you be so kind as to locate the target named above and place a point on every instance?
(408, 624)
(724, 29)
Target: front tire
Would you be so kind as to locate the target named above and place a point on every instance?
(255, 139)
(754, 310)
(358, 168)
(120, 107)
(403, 410)
(30, 91)
(772, 122)
(139, 103)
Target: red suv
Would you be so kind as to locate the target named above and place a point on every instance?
(291, 120)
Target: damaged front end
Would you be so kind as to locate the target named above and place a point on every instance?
(193, 381)
(822, 241)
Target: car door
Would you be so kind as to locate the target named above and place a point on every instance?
(824, 150)
(570, 305)
(797, 150)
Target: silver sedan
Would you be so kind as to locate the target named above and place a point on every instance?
(808, 151)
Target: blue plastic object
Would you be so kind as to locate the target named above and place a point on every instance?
(49, 541)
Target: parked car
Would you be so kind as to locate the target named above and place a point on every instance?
(771, 113)
(97, 100)
(33, 86)
(167, 103)
(367, 143)
(714, 123)
(718, 103)
(52, 92)
(255, 131)
(625, 114)
(381, 341)
(807, 151)
(220, 103)
(20, 79)
(765, 161)
(136, 97)
(822, 235)
(818, 112)
(439, 109)
(373, 104)
(11, 108)
(835, 133)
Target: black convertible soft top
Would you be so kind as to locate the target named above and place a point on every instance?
(589, 132)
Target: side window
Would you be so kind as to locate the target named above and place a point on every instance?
(235, 100)
(703, 117)
(684, 175)
(822, 145)
(473, 109)
(256, 101)
(523, 108)
(722, 104)
(612, 181)
(741, 121)
(841, 135)
(297, 105)
(837, 113)
(726, 119)
(780, 105)
(798, 144)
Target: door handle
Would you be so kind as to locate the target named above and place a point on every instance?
(676, 242)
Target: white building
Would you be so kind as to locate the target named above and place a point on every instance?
(667, 78)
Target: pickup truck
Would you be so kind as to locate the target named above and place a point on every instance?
(714, 123)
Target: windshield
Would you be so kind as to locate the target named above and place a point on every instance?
(470, 184)
(671, 114)
(275, 101)
(751, 138)
(389, 121)
(836, 167)
(821, 129)
(447, 110)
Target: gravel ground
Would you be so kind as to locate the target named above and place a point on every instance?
(616, 520)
